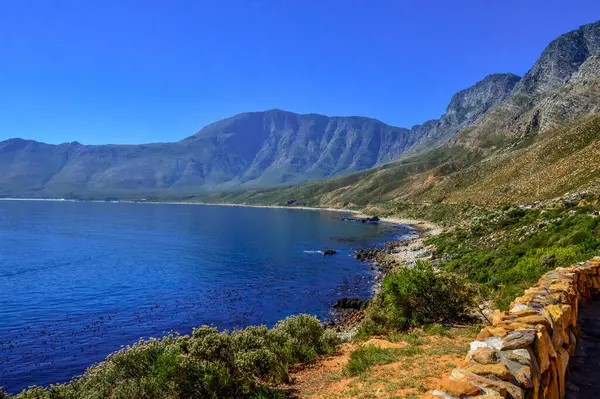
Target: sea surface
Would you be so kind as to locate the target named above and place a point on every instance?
(80, 279)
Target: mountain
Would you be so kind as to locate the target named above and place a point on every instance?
(466, 154)
(249, 150)
(540, 142)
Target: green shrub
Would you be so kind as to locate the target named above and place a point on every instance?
(329, 342)
(514, 248)
(209, 364)
(307, 337)
(515, 213)
(269, 393)
(35, 393)
(418, 296)
(266, 353)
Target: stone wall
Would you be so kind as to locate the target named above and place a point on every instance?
(525, 352)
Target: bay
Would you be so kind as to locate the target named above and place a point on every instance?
(78, 280)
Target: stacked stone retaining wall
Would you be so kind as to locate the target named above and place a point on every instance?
(525, 352)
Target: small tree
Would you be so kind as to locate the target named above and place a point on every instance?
(421, 295)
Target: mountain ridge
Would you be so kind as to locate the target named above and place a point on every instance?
(273, 148)
(247, 150)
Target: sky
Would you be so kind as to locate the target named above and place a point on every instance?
(137, 71)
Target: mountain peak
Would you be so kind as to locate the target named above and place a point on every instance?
(561, 58)
(469, 104)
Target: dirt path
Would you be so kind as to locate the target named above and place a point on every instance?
(583, 381)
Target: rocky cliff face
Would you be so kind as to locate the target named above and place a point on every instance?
(518, 146)
(466, 107)
(563, 85)
(283, 147)
(561, 59)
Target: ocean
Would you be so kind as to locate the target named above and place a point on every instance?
(79, 280)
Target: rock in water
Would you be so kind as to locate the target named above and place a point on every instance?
(351, 303)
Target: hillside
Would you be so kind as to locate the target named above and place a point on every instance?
(538, 143)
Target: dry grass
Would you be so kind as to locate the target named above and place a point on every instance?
(409, 375)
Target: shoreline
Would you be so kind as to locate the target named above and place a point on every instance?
(418, 225)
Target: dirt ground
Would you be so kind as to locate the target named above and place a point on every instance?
(409, 376)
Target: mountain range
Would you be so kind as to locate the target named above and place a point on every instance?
(345, 159)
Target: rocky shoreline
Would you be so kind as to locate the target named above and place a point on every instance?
(347, 313)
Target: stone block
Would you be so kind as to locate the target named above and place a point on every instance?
(499, 370)
(562, 361)
(488, 332)
(518, 339)
(572, 343)
(485, 355)
(502, 387)
(544, 349)
(534, 321)
(458, 389)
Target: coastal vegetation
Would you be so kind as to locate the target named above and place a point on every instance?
(509, 249)
(207, 364)
(392, 366)
(487, 255)
(418, 296)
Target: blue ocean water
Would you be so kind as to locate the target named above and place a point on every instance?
(78, 279)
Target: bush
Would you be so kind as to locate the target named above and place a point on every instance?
(269, 393)
(515, 213)
(307, 337)
(209, 364)
(266, 353)
(419, 296)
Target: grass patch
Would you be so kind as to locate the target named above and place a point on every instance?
(413, 338)
(362, 359)
(437, 329)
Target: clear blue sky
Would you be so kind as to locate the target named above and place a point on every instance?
(133, 71)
